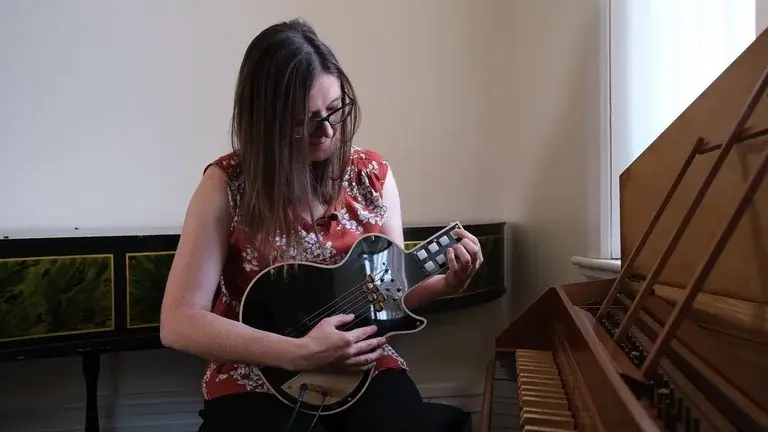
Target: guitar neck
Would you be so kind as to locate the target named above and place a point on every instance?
(430, 256)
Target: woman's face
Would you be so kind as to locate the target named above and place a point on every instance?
(324, 98)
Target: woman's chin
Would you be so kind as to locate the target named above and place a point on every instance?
(320, 152)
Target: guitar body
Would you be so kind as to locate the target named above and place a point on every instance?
(372, 282)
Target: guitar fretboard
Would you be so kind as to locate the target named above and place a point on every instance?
(430, 255)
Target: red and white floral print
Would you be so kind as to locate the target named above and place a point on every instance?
(361, 211)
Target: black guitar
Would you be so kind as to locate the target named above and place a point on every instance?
(371, 283)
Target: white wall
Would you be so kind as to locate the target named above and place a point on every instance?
(505, 94)
(761, 15)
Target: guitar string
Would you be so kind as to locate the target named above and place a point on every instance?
(335, 302)
(363, 309)
(353, 309)
(348, 326)
(339, 310)
(332, 304)
(291, 330)
(366, 306)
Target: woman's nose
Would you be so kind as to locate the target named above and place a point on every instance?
(325, 129)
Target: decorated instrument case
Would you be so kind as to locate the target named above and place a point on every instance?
(61, 294)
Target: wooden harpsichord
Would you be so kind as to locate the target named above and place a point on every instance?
(679, 340)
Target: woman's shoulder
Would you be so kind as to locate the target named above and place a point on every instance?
(229, 164)
(231, 177)
(370, 163)
(366, 155)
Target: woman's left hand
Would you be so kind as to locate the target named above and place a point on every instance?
(464, 259)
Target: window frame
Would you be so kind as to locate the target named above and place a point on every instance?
(608, 246)
(614, 157)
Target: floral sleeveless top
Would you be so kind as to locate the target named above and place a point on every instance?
(361, 210)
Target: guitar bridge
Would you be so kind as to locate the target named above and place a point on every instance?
(333, 387)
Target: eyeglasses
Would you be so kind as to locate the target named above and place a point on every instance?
(333, 118)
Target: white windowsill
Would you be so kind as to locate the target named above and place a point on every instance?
(597, 268)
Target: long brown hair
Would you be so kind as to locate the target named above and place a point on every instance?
(276, 75)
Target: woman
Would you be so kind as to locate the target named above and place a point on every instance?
(292, 166)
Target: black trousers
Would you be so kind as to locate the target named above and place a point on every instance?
(391, 403)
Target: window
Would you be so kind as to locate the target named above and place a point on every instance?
(662, 55)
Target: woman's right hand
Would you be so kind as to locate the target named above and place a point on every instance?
(326, 347)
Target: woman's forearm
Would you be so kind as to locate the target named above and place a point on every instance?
(426, 292)
(207, 335)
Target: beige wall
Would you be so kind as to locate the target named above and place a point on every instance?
(487, 110)
(546, 131)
